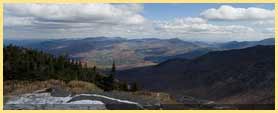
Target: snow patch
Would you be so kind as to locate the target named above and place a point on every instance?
(46, 101)
(86, 102)
(43, 100)
(38, 98)
(110, 98)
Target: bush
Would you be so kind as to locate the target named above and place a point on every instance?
(78, 87)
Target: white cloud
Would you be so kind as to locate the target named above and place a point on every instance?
(76, 13)
(265, 23)
(199, 25)
(203, 30)
(226, 12)
(268, 30)
(17, 21)
(127, 20)
(190, 20)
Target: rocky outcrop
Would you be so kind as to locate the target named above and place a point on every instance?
(55, 99)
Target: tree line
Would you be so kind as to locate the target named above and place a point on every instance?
(27, 64)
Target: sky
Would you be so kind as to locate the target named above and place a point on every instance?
(190, 22)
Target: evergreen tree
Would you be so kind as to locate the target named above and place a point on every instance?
(94, 68)
(113, 73)
(109, 81)
(113, 70)
(27, 64)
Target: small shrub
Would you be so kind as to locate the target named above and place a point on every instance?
(78, 87)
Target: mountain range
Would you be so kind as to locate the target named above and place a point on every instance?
(130, 53)
(238, 76)
(233, 73)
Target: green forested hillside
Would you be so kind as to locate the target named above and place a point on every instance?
(27, 64)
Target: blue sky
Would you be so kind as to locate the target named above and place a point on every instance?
(166, 11)
(192, 22)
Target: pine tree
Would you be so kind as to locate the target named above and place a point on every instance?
(94, 68)
(109, 81)
(113, 70)
(27, 64)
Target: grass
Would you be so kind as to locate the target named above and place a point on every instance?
(14, 87)
(78, 87)
(164, 98)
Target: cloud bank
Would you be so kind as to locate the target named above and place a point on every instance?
(127, 20)
(226, 12)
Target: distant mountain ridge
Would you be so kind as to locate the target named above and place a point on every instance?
(127, 53)
(245, 44)
(205, 48)
(130, 53)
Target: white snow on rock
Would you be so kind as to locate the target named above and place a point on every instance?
(85, 102)
(46, 101)
(110, 98)
(38, 98)
(43, 100)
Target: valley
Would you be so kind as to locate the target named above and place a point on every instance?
(194, 75)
